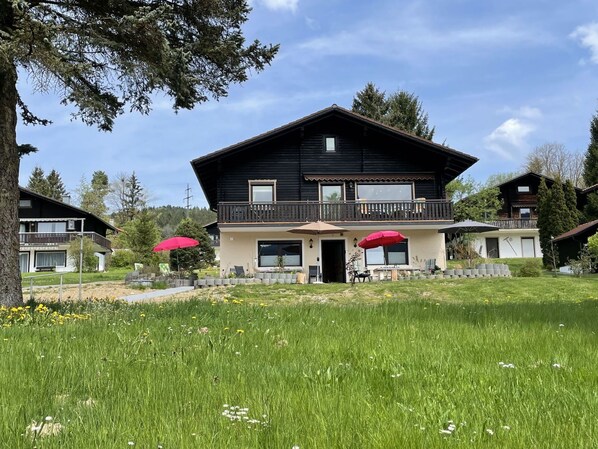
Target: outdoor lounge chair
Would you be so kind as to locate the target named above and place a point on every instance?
(430, 266)
(314, 272)
(164, 268)
(239, 271)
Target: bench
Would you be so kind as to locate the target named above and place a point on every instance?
(52, 268)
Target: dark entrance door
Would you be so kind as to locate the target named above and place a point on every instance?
(492, 247)
(333, 261)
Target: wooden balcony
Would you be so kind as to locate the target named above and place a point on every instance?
(515, 223)
(349, 211)
(60, 238)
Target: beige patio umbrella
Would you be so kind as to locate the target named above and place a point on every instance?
(317, 228)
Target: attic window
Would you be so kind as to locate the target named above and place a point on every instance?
(24, 203)
(330, 144)
(523, 189)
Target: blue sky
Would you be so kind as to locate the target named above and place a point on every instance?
(497, 78)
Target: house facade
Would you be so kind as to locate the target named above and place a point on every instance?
(46, 229)
(518, 234)
(333, 166)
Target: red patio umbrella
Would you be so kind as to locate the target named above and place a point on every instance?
(381, 238)
(175, 243)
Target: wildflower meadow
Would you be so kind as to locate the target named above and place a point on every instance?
(497, 363)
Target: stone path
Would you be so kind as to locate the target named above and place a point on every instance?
(155, 294)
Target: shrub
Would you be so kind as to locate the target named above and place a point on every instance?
(531, 269)
(122, 259)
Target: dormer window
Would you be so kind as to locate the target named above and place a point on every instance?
(330, 144)
(523, 189)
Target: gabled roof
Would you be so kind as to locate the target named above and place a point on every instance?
(591, 226)
(66, 206)
(203, 165)
(590, 189)
(533, 175)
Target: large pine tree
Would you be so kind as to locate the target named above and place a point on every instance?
(544, 226)
(590, 173)
(38, 182)
(401, 110)
(571, 202)
(56, 188)
(105, 58)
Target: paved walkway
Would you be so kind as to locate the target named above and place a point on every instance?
(155, 294)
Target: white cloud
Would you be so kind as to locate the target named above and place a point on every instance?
(587, 35)
(279, 5)
(509, 138)
(419, 38)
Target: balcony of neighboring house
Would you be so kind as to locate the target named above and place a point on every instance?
(515, 223)
(60, 238)
(418, 210)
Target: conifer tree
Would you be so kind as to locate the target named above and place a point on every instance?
(56, 187)
(195, 257)
(544, 225)
(93, 195)
(38, 182)
(105, 58)
(370, 102)
(571, 203)
(590, 211)
(590, 173)
(401, 110)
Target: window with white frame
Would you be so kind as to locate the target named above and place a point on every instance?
(273, 253)
(331, 193)
(330, 144)
(396, 254)
(50, 259)
(523, 189)
(525, 213)
(385, 192)
(51, 226)
(24, 204)
(262, 191)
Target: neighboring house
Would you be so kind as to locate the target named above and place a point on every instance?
(518, 235)
(214, 233)
(47, 227)
(338, 167)
(572, 242)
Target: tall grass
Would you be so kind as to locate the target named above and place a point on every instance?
(375, 366)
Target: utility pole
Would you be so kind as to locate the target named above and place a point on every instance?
(188, 198)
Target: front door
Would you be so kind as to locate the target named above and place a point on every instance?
(528, 249)
(492, 247)
(333, 261)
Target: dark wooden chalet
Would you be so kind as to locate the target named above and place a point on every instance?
(520, 201)
(333, 165)
(47, 226)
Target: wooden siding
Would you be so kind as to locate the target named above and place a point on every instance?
(514, 223)
(349, 211)
(287, 159)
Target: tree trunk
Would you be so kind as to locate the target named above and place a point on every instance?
(10, 275)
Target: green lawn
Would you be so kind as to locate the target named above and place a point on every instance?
(114, 274)
(380, 365)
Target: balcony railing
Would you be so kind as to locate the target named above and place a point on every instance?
(515, 223)
(349, 211)
(56, 238)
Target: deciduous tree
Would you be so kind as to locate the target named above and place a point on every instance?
(103, 57)
(555, 161)
(472, 200)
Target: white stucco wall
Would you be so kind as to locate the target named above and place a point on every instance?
(510, 243)
(239, 247)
